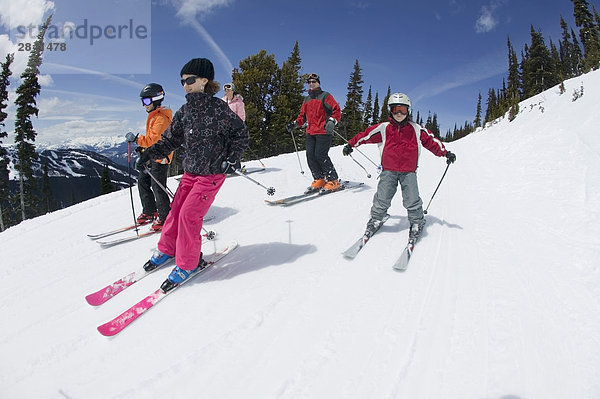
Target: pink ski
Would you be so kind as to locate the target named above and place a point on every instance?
(117, 324)
(103, 295)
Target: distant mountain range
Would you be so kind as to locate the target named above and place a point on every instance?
(113, 147)
(75, 168)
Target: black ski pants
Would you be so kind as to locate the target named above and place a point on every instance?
(153, 197)
(317, 155)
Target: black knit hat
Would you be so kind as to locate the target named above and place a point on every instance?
(201, 67)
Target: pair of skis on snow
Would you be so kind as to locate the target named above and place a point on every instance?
(112, 242)
(312, 194)
(117, 324)
(400, 265)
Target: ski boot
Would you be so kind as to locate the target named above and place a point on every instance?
(415, 231)
(373, 225)
(158, 259)
(331, 186)
(179, 275)
(315, 186)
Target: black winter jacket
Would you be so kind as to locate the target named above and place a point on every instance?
(209, 131)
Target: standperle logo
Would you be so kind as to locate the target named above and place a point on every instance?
(109, 36)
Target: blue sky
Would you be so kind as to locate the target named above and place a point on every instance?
(441, 53)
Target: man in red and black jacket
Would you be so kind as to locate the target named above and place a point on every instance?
(321, 113)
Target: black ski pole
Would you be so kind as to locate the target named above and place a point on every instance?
(130, 187)
(359, 151)
(209, 234)
(363, 168)
(438, 186)
(296, 147)
(270, 190)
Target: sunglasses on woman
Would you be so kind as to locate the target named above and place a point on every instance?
(189, 81)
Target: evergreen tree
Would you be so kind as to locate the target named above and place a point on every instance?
(256, 81)
(492, 106)
(375, 117)
(539, 71)
(286, 103)
(557, 63)
(385, 112)
(368, 111)
(4, 192)
(49, 201)
(106, 185)
(569, 52)
(432, 125)
(513, 75)
(24, 132)
(477, 121)
(589, 34)
(352, 121)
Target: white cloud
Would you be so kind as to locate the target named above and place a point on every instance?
(14, 13)
(190, 9)
(487, 20)
(45, 80)
(83, 128)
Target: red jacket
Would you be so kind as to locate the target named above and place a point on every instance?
(313, 112)
(398, 144)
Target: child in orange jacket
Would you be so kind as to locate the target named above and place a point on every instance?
(155, 201)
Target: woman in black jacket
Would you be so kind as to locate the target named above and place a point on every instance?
(214, 138)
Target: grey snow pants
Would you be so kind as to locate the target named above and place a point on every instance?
(386, 189)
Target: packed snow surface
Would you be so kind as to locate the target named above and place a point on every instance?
(501, 298)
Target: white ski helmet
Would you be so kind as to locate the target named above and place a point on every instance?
(399, 99)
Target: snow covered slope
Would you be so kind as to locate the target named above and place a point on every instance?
(501, 298)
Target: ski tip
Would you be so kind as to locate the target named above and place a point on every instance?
(92, 300)
(108, 330)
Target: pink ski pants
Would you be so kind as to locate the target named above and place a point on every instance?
(181, 232)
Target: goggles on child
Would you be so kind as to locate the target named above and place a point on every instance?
(150, 100)
(403, 109)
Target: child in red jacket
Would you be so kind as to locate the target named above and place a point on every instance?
(400, 142)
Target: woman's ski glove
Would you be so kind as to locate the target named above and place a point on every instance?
(347, 149)
(228, 165)
(450, 157)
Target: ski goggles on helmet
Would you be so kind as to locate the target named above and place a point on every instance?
(399, 108)
(150, 100)
(228, 86)
(189, 81)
